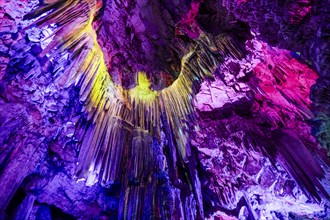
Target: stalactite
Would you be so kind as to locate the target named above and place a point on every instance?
(141, 136)
(113, 143)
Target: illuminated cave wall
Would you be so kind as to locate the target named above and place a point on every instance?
(254, 140)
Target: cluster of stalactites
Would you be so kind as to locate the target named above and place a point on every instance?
(116, 142)
(113, 110)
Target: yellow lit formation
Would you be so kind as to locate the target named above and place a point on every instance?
(116, 115)
(142, 91)
(117, 126)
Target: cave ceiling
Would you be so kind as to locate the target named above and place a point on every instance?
(170, 109)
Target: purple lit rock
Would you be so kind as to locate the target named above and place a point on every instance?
(254, 155)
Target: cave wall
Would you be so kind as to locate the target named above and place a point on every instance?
(261, 126)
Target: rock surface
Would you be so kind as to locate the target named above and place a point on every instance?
(253, 144)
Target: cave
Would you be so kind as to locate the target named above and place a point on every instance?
(170, 109)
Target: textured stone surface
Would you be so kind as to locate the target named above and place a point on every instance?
(235, 165)
(138, 36)
(299, 26)
(254, 156)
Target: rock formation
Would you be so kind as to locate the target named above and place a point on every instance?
(201, 109)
